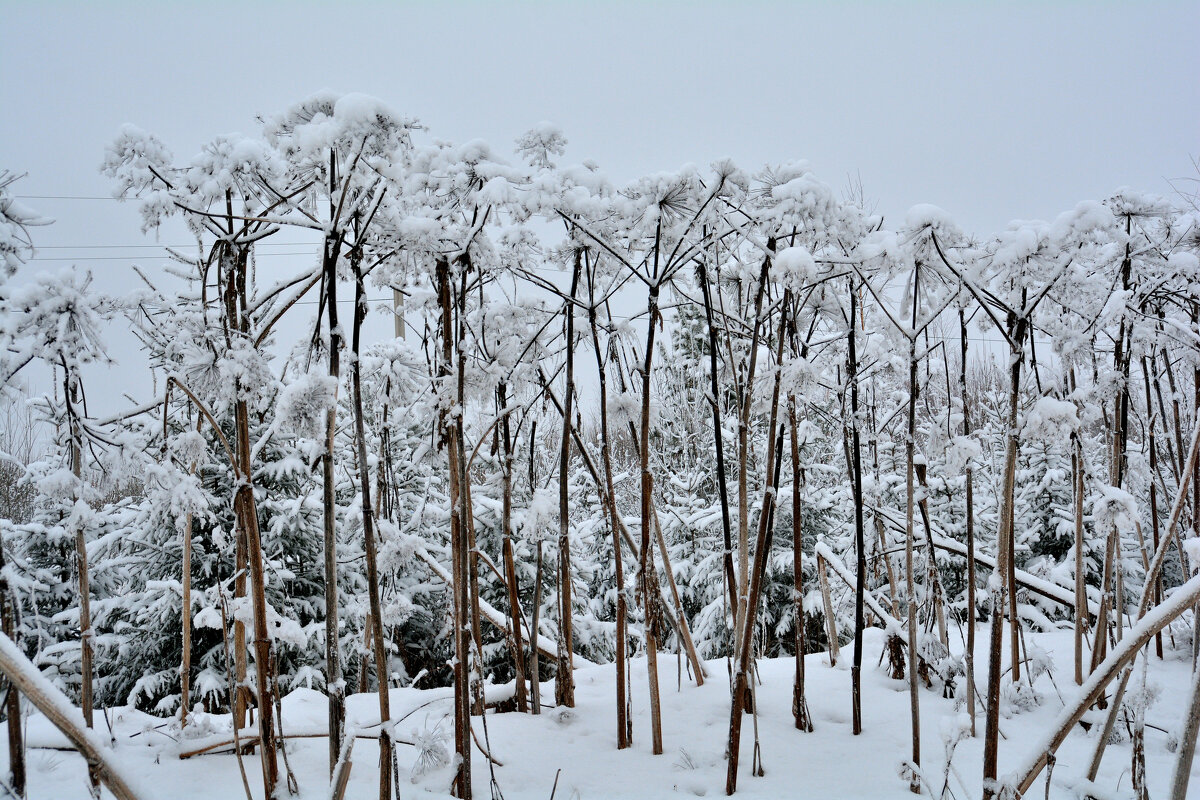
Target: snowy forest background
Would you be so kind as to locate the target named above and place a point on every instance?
(708, 417)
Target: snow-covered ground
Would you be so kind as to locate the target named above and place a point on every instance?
(828, 763)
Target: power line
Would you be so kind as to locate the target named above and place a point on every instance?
(344, 301)
(165, 256)
(133, 258)
(65, 197)
(136, 246)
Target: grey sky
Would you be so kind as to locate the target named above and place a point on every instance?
(991, 111)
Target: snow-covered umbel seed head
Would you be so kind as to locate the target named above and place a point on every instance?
(1082, 224)
(189, 447)
(924, 216)
(1191, 546)
(353, 125)
(1016, 245)
(1183, 264)
(795, 268)
(57, 317)
(538, 144)
(796, 199)
(303, 404)
(1127, 202)
(962, 451)
(15, 218)
(1114, 507)
(729, 176)
(141, 165)
(232, 163)
(136, 160)
(1050, 420)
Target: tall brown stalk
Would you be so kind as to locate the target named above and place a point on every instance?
(1152, 447)
(379, 645)
(185, 618)
(238, 314)
(458, 538)
(515, 636)
(799, 704)
(910, 589)
(745, 401)
(12, 698)
(745, 641)
(731, 581)
(855, 463)
(346, 216)
(335, 688)
(1005, 569)
(649, 586)
(614, 523)
(564, 681)
(970, 500)
(71, 396)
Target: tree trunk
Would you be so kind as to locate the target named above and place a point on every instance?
(1020, 328)
(475, 618)
(1176, 414)
(1195, 473)
(240, 702)
(185, 624)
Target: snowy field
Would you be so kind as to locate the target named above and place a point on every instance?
(828, 763)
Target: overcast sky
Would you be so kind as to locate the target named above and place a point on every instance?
(991, 111)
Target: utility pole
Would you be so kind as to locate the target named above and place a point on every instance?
(398, 312)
